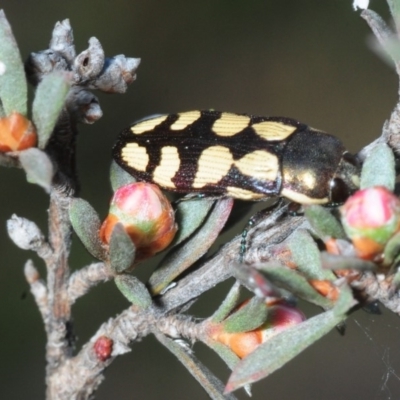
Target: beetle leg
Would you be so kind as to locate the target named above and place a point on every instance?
(197, 196)
(254, 220)
(295, 209)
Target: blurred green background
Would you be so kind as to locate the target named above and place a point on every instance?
(306, 59)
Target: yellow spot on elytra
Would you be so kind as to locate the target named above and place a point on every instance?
(135, 156)
(168, 167)
(259, 164)
(214, 163)
(230, 124)
(308, 179)
(272, 130)
(243, 194)
(147, 125)
(185, 119)
(302, 198)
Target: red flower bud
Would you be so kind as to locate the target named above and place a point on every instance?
(16, 133)
(147, 216)
(280, 317)
(103, 348)
(370, 218)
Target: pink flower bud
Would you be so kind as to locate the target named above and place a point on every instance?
(280, 317)
(370, 218)
(16, 133)
(147, 216)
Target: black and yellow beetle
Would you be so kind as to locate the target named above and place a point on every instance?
(237, 155)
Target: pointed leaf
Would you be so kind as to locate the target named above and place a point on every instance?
(119, 177)
(394, 6)
(230, 358)
(283, 347)
(307, 257)
(197, 246)
(255, 281)
(295, 283)
(134, 290)
(210, 383)
(333, 262)
(228, 304)
(382, 32)
(252, 315)
(13, 86)
(122, 250)
(38, 167)
(86, 224)
(392, 250)
(323, 222)
(380, 159)
(189, 215)
(48, 102)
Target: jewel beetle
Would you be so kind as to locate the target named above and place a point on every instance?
(238, 155)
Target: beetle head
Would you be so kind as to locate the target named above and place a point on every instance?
(346, 179)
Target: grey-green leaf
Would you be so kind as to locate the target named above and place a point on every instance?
(294, 282)
(392, 250)
(384, 35)
(13, 86)
(189, 215)
(134, 290)
(122, 250)
(119, 177)
(323, 222)
(230, 358)
(307, 257)
(281, 348)
(48, 102)
(252, 315)
(334, 262)
(86, 224)
(38, 167)
(256, 281)
(380, 159)
(394, 6)
(228, 304)
(209, 382)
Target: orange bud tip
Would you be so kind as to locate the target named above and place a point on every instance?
(16, 133)
(325, 288)
(332, 246)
